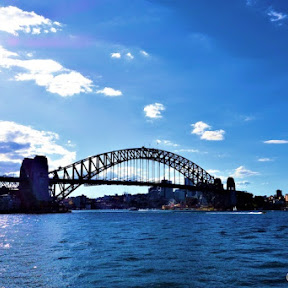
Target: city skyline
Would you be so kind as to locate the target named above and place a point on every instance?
(202, 80)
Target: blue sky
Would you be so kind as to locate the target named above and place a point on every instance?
(204, 79)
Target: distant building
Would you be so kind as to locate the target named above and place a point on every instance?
(188, 182)
(167, 192)
(180, 195)
(279, 194)
(80, 202)
(9, 203)
(154, 193)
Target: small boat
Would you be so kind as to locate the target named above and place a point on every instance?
(132, 209)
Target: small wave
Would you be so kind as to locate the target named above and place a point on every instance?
(131, 259)
(64, 258)
(273, 264)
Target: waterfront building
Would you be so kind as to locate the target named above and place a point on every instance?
(154, 193)
(9, 203)
(279, 194)
(188, 182)
(80, 202)
(167, 192)
(180, 195)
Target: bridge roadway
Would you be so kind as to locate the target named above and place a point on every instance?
(9, 179)
(96, 182)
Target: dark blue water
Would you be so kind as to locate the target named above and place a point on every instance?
(143, 249)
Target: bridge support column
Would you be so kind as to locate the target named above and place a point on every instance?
(34, 182)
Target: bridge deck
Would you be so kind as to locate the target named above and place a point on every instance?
(96, 182)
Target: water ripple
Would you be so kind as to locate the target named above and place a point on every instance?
(143, 249)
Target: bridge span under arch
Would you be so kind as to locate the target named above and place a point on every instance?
(65, 180)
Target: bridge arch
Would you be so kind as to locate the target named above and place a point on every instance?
(84, 170)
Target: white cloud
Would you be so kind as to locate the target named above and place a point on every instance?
(47, 73)
(201, 128)
(276, 16)
(116, 55)
(130, 56)
(144, 53)
(5, 55)
(107, 91)
(66, 84)
(242, 172)
(166, 143)
(36, 31)
(276, 142)
(18, 141)
(217, 135)
(154, 110)
(265, 160)
(14, 20)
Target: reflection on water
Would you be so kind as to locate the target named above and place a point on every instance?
(143, 249)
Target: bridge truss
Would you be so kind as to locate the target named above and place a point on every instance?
(10, 183)
(137, 166)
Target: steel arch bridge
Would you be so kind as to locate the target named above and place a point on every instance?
(136, 166)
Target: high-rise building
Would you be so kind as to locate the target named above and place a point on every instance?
(180, 195)
(167, 192)
(278, 194)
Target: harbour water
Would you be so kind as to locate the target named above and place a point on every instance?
(143, 249)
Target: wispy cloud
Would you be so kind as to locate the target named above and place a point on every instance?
(201, 128)
(265, 160)
(276, 142)
(250, 2)
(248, 118)
(130, 56)
(116, 55)
(243, 183)
(200, 39)
(126, 55)
(187, 151)
(108, 91)
(276, 16)
(144, 53)
(154, 110)
(18, 141)
(166, 143)
(47, 73)
(14, 20)
(242, 172)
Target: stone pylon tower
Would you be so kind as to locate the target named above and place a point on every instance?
(34, 185)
